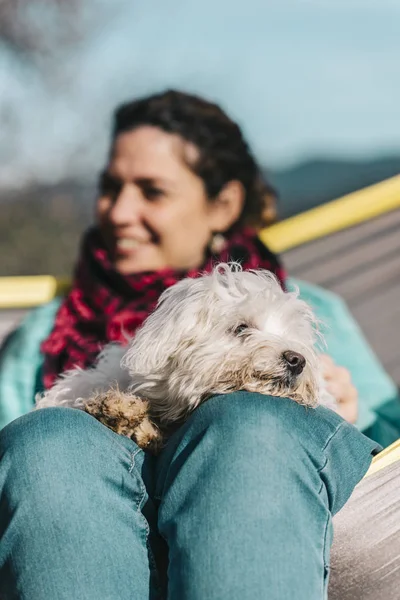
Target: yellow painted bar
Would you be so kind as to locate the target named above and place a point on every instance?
(24, 292)
(334, 216)
(385, 458)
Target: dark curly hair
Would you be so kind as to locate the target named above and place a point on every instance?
(224, 154)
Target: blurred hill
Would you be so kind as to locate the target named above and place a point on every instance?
(40, 225)
(315, 182)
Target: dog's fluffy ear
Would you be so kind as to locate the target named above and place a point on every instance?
(149, 351)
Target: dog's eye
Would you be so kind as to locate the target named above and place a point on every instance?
(241, 328)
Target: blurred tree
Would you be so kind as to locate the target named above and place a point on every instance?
(42, 44)
(37, 29)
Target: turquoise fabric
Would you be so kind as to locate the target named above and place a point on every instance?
(21, 362)
(379, 413)
(243, 494)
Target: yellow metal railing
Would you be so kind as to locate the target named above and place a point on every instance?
(23, 292)
(334, 216)
(387, 457)
(350, 210)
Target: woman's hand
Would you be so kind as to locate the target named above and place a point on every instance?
(338, 383)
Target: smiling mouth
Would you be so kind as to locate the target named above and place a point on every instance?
(127, 244)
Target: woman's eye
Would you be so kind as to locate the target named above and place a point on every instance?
(152, 193)
(241, 328)
(109, 186)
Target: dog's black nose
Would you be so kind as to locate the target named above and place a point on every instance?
(295, 361)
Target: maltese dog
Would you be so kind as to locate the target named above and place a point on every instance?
(224, 331)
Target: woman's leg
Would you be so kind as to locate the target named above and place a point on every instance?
(366, 548)
(247, 487)
(74, 511)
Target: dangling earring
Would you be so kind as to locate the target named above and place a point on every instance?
(217, 243)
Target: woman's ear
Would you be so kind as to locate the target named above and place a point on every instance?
(227, 207)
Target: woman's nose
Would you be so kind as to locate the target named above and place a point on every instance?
(126, 208)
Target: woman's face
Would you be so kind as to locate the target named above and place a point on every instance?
(152, 209)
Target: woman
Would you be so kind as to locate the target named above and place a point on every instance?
(179, 175)
(85, 513)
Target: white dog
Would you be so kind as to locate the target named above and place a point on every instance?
(225, 331)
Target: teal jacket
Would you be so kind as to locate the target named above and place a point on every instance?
(379, 403)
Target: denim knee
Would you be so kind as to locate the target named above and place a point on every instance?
(244, 427)
(31, 439)
(74, 499)
(50, 452)
(246, 423)
(232, 483)
(246, 488)
(239, 434)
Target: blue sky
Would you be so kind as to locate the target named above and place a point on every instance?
(305, 78)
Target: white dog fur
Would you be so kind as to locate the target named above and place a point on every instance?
(224, 331)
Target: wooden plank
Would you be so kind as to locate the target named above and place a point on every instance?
(379, 317)
(369, 281)
(298, 259)
(384, 342)
(395, 371)
(352, 261)
(377, 309)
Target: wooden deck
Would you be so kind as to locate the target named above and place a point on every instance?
(362, 264)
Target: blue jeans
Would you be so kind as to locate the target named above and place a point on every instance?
(241, 501)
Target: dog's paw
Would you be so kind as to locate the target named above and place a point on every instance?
(127, 415)
(326, 399)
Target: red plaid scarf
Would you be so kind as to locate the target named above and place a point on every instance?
(105, 306)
